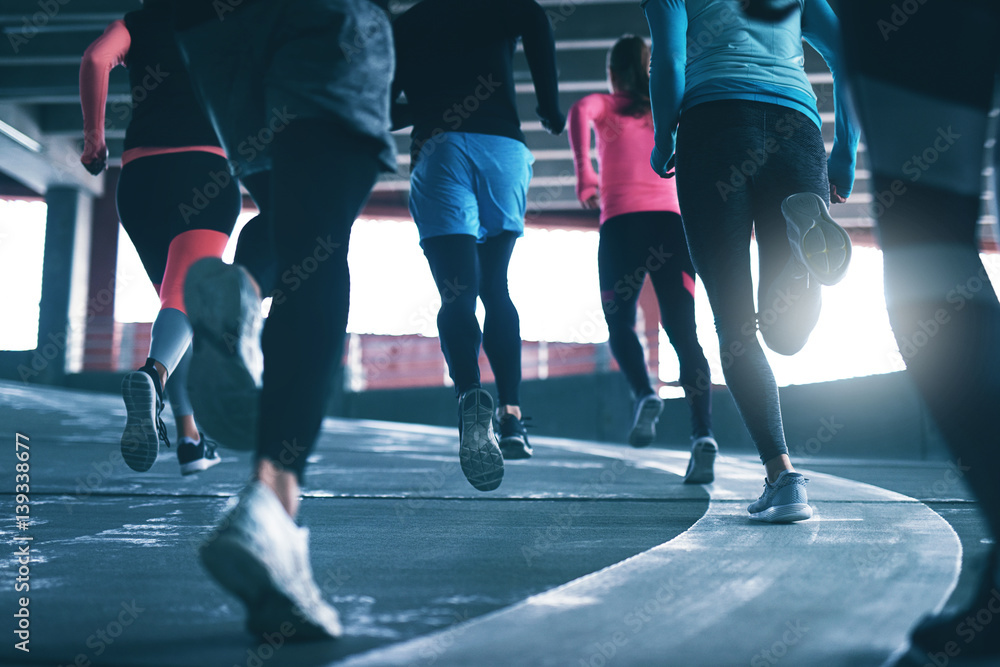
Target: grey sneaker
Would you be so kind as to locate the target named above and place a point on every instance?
(701, 466)
(261, 556)
(479, 451)
(647, 413)
(822, 245)
(227, 365)
(784, 501)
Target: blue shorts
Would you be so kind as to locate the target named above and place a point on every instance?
(467, 183)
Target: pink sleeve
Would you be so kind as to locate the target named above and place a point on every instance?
(581, 115)
(106, 53)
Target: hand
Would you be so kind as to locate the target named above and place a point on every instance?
(554, 122)
(94, 158)
(834, 197)
(663, 166)
(592, 202)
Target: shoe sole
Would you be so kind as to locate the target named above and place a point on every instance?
(515, 448)
(783, 513)
(823, 246)
(240, 571)
(193, 467)
(701, 467)
(140, 442)
(224, 310)
(479, 452)
(644, 430)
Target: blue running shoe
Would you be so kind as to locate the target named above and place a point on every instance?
(785, 501)
(822, 245)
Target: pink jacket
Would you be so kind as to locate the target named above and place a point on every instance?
(626, 182)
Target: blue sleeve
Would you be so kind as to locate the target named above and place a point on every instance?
(821, 28)
(668, 27)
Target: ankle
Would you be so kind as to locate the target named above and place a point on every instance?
(774, 467)
(161, 370)
(510, 410)
(283, 483)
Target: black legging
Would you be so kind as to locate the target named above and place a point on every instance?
(942, 307)
(714, 143)
(463, 270)
(160, 197)
(321, 178)
(255, 245)
(632, 246)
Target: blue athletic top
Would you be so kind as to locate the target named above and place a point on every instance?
(705, 50)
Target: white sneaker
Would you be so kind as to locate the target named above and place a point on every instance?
(260, 555)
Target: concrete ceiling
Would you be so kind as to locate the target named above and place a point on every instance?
(41, 131)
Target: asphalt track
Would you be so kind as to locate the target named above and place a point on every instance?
(588, 554)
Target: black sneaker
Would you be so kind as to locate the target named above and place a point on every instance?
(144, 429)
(195, 457)
(647, 413)
(514, 438)
(962, 631)
(479, 451)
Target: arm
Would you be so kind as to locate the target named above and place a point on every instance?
(581, 115)
(668, 27)
(99, 59)
(400, 113)
(821, 29)
(540, 51)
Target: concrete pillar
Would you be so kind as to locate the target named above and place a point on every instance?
(100, 346)
(68, 213)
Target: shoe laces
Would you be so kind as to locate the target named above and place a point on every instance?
(161, 428)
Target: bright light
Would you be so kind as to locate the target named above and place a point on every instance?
(22, 246)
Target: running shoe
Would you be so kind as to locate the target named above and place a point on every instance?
(223, 304)
(196, 456)
(261, 556)
(784, 501)
(647, 413)
(964, 627)
(701, 466)
(479, 451)
(514, 438)
(823, 246)
(144, 428)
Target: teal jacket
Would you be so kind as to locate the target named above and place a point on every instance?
(706, 50)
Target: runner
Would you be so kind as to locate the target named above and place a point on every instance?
(469, 181)
(312, 121)
(171, 153)
(750, 138)
(641, 233)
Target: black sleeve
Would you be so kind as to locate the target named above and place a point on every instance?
(540, 50)
(401, 115)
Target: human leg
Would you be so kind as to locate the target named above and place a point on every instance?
(942, 306)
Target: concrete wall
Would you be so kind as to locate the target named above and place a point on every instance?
(878, 416)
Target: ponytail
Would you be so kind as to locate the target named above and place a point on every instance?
(628, 62)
